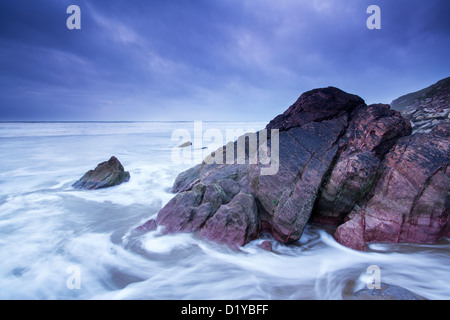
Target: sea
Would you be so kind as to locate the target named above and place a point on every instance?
(59, 243)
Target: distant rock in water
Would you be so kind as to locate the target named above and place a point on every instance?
(186, 144)
(106, 174)
(426, 108)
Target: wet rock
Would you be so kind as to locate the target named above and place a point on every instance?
(186, 212)
(148, 226)
(287, 198)
(351, 233)
(234, 224)
(372, 132)
(340, 160)
(106, 174)
(410, 201)
(266, 245)
(210, 197)
(386, 292)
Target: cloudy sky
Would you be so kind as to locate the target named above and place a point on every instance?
(211, 59)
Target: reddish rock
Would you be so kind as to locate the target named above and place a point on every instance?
(150, 225)
(185, 212)
(372, 132)
(351, 233)
(410, 201)
(235, 223)
(208, 202)
(266, 245)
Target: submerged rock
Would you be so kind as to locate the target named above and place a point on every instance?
(266, 245)
(150, 225)
(106, 174)
(386, 292)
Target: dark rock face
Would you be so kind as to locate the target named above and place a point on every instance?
(426, 108)
(234, 203)
(410, 202)
(106, 174)
(287, 198)
(372, 132)
(316, 105)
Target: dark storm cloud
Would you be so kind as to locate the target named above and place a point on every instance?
(210, 59)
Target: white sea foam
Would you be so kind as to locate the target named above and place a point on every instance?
(48, 228)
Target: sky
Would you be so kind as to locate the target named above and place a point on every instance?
(232, 60)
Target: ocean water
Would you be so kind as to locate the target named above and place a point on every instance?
(61, 243)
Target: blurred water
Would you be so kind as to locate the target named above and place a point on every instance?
(47, 228)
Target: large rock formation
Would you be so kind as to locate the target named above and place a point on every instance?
(340, 161)
(234, 203)
(410, 201)
(106, 174)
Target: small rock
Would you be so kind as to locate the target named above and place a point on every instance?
(150, 225)
(266, 245)
(106, 174)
